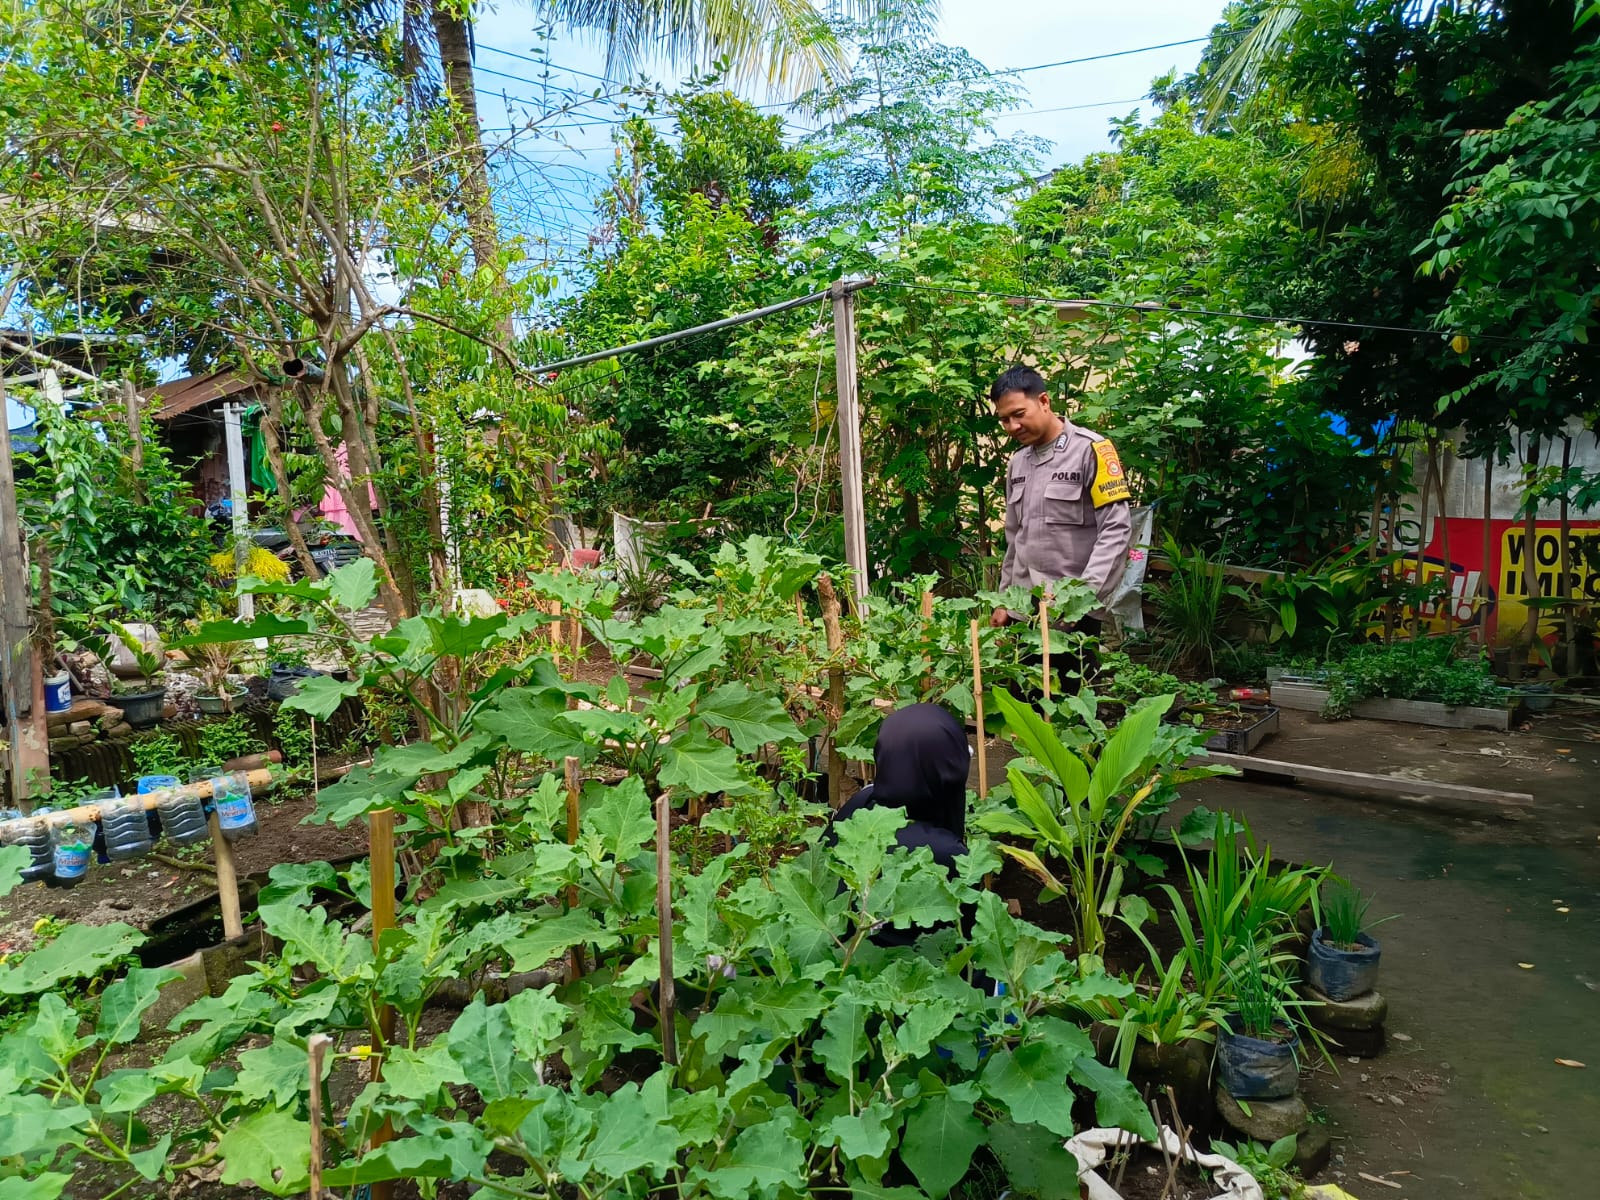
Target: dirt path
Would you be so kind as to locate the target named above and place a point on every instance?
(1468, 1099)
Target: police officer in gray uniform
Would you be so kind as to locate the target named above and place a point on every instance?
(1067, 510)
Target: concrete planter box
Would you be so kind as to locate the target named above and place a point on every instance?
(1311, 697)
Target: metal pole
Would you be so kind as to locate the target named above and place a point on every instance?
(844, 350)
(28, 754)
(234, 433)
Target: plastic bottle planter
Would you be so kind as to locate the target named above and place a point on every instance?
(126, 827)
(1255, 1069)
(1341, 974)
(236, 815)
(35, 835)
(183, 818)
(70, 850)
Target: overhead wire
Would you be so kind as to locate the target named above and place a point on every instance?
(1154, 308)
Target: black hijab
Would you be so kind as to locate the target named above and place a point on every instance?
(921, 762)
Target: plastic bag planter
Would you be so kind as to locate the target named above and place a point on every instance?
(1093, 1147)
(1341, 974)
(1255, 1069)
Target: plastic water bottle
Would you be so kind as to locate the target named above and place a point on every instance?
(183, 818)
(33, 834)
(70, 848)
(236, 815)
(126, 826)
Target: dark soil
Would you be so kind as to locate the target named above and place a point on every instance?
(1143, 1175)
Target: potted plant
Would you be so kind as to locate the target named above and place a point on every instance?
(1342, 961)
(142, 697)
(1257, 1047)
(216, 661)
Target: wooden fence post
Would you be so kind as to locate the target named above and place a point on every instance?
(23, 726)
(849, 417)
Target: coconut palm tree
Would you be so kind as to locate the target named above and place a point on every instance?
(785, 44)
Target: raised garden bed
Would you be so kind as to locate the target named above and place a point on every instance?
(1241, 732)
(1312, 697)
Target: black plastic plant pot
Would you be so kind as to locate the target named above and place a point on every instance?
(141, 709)
(1341, 974)
(1253, 1068)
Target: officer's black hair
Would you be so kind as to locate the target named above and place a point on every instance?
(1018, 379)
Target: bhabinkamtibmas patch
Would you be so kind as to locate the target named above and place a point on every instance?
(1110, 484)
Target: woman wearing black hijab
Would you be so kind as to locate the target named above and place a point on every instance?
(921, 761)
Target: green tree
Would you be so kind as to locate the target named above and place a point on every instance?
(913, 130)
(253, 197)
(1520, 248)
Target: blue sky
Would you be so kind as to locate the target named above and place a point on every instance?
(1069, 106)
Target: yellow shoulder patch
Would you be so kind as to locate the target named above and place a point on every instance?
(1110, 484)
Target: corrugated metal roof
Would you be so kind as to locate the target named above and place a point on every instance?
(195, 391)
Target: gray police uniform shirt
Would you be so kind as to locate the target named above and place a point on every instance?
(1067, 514)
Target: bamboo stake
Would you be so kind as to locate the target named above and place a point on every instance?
(1044, 640)
(316, 1047)
(380, 826)
(977, 704)
(574, 786)
(927, 659)
(227, 880)
(669, 999)
(555, 635)
(830, 625)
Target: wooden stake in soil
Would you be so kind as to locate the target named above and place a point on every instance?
(316, 1048)
(227, 880)
(380, 833)
(927, 659)
(1044, 640)
(574, 789)
(669, 998)
(830, 625)
(977, 705)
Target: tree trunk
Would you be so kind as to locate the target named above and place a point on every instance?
(1569, 632)
(1530, 565)
(1444, 551)
(272, 434)
(1422, 542)
(453, 32)
(1483, 571)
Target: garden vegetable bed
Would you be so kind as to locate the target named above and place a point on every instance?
(1312, 697)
